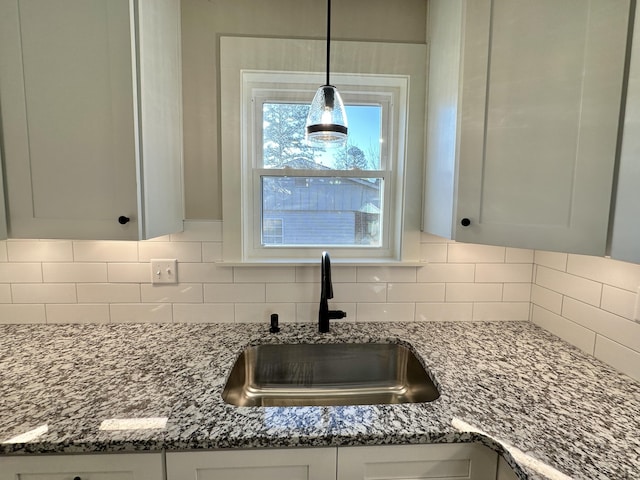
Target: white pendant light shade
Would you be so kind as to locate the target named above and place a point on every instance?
(327, 120)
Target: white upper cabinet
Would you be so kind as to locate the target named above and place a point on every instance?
(91, 118)
(625, 238)
(523, 113)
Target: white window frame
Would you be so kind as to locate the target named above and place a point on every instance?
(265, 87)
(253, 70)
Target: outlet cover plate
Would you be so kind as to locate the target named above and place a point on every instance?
(164, 270)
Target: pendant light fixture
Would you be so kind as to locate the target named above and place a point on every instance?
(327, 120)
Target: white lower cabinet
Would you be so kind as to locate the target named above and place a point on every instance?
(452, 460)
(143, 466)
(460, 461)
(268, 464)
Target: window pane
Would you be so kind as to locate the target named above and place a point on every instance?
(321, 211)
(284, 145)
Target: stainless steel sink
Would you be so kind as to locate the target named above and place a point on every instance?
(328, 374)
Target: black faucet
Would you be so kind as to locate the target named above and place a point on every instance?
(326, 292)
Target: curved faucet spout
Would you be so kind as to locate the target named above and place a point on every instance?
(326, 292)
(325, 274)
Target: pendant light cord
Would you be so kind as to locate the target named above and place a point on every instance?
(328, 37)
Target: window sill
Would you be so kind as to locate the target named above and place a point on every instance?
(314, 262)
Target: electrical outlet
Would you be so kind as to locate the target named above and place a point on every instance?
(636, 311)
(164, 271)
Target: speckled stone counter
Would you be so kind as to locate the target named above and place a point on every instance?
(546, 407)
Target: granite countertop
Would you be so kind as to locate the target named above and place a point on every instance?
(547, 407)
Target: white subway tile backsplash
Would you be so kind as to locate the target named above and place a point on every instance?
(339, 273)
(179, 293)
(555, 260)
(433, 252)
(611, 272)
(618, 301)
(358, 292)
(264, 274)
(444, 311)
(505, 272)
(4, 257)
(516, 292)
(570, 285)
(447, 272)
(78, 313)
(472, 253)
(490, 311)
(473, 292)
(5, 293)
(65, 272)
(386, 274)
(182, 251)
(43, 293)
(108, 293)
(386, 312)
(211, 251)
(415, 292)
(18, 313)
(105, 251)
(204, 273)
(292, 292)
(547, 299)
(203, 313)
(261, 313)
(20, 272)
(131, 272)
(575, 334)
(519, 255)
(618, 356)
(39, 251)
(140, 313)
(234, 293)
(308, 312)
(604, 323)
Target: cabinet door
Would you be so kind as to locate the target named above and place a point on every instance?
(144, 466)
(540, 122)
(625, 240)
(536, 126)
(91, 118)
(66, 88)
(270, 464)
(460, 461)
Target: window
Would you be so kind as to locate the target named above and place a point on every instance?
(289, 200)
(325, 196)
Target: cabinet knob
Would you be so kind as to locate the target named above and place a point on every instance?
(77, 478)
(122, 220)
(465, 222)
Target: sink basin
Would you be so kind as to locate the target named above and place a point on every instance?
(328, 374)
